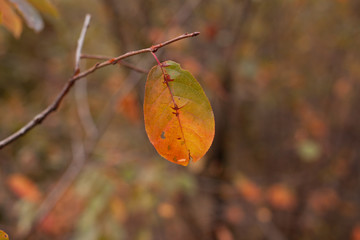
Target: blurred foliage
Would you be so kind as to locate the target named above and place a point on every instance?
(29, 10)
(282, 77)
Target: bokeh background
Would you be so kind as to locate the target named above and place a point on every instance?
(283, 78)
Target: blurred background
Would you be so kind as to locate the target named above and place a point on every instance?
(282, 76)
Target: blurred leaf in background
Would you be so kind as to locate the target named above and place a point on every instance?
(11, 9)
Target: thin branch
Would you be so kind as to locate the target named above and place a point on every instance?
(160, 45)
(123, 63)
(92, 56)
(56, 103)
(133, 67)
(83, 109)
(81, 88)
(81, 42)
(57, 192)
(108, 113)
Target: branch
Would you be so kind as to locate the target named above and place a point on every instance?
(81, 88)
(68, 177)
(81, 42)
(83, 109)
(125, 64)
(56, 103)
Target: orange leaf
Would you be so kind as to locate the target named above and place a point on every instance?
(24, 188)
(281, 197)
(3, 235)
(166, 210)
(249, 189)
(178, 117)
(10, 19)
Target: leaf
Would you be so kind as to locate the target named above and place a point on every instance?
(3, 235)
(10, 19)
(45, 6)
(178, 117)
(249, 189)
(30, 14)
(24, 188)
(281, 197)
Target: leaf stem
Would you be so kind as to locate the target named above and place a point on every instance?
(156, 59)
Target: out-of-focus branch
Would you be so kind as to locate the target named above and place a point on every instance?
(83, 109)
(109, 109)
(73, 170)
(56, 103)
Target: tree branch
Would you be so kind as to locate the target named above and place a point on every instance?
(81, 88)
(81, 42)
(125, 64)
(56, 103)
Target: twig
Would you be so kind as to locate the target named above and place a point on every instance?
(92, 56)
(106, 117)
(81, 98)
(123, 63)
(160, 45)
(56, 103)
(81, 42)
(133, 67)
(80, 88)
